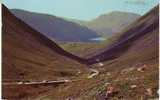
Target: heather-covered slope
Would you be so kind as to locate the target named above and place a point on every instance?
(147, 24)
(28, 55)
(56, 28)
(130, 67)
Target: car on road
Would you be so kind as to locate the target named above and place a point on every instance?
(44, 81)
(20, 83)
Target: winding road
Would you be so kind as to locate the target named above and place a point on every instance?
(94, 73)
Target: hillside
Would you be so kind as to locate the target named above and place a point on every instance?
(86, 50)
(148, 24)
(130, 66)
(30, 56)
(56, 28)
(127, 67)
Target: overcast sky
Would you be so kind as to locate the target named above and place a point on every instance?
(82, 9)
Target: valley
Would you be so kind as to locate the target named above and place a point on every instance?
(37, 67)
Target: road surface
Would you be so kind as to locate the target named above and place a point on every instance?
(43, 82)
(95, 73)
(36, 82)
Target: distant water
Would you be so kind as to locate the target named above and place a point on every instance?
(98, 39)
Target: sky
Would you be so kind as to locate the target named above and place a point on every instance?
(82, 9)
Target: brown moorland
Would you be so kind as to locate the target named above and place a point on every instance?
(137, 48)
(130, 65)
(30, 56)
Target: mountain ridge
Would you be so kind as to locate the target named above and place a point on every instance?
(111, 23)
(56, 28)
(144, 25)
(23, 46)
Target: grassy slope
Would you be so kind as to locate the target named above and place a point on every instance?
(86, 50)
(144, 50)
(91, 89)
(28, 55)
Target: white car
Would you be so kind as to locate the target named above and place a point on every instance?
(44, 81)
(67, 80)
(19, 83)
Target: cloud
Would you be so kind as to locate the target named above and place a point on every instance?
(137, 2)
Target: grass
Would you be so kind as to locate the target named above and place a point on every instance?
(87, 49)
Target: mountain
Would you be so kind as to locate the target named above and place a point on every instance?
(56, 28)
(24, 47)
(111, 23)
(30, 56)
(130, 66)
(141, 36)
